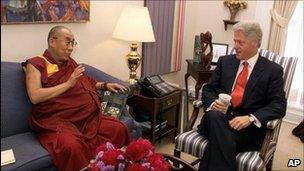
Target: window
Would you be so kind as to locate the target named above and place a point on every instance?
(294, 48)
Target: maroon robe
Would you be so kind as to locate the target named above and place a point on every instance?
(71, 126)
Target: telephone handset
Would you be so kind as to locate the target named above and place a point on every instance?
(155, 86)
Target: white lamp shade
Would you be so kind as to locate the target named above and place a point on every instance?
(134, 25)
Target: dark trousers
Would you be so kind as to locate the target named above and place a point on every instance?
(224, 143)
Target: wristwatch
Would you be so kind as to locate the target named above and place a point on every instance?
(251, 119)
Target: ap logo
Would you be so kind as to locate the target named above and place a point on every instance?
(293, 163)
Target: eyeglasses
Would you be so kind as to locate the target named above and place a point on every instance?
(73, 43)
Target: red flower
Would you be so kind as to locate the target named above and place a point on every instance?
(105, 147)
(110, 157)
(135, 167)
(102, 147)
(137, 150)
(93, 167)
(138, 156)
(159, 163)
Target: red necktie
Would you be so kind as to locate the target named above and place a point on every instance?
(239, 88)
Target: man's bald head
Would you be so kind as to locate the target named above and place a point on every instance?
(61, 43)
(55, 31)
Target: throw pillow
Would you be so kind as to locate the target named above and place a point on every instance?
(112, 104)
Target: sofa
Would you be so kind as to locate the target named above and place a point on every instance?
(15, 109)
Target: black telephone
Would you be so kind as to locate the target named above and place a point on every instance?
(155, 86)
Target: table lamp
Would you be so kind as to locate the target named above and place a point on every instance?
(134, 25)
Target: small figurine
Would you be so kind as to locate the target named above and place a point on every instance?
(206, 58)
(197, 49)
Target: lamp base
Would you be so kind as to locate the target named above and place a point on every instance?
(132, 81)
(133, 60)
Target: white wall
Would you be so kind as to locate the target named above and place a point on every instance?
(95, 44)
(202, 16)
(97, 48)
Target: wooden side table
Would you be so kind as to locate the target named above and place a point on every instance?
(201, 76)
(154, 106)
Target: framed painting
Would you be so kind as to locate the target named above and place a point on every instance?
(44, 11)
(219, 49)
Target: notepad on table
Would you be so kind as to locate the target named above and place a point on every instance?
(7, 157)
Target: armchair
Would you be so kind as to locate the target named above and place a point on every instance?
(194, 144)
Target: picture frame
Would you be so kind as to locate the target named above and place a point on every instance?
(219, 49)
(44, 11)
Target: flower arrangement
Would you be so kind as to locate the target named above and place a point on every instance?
(234, 7)
(138, 156)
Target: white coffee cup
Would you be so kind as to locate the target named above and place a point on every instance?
(225, 99)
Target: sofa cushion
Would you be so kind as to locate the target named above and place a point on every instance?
(28, 152)
(15, 104)
(133, 126)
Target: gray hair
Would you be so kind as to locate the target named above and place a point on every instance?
(250, 29)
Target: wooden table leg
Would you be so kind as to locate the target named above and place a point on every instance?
(196, 110)
(193, 118)
(153, 124)
(187, 103)
(198, 87)
(186, 81)
(177, 116)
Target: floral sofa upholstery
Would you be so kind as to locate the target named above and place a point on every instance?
(15, 108)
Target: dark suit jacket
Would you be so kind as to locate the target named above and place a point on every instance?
(264, 96)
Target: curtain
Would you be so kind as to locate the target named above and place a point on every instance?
(280, 15)
(294, 48)
(165, 54)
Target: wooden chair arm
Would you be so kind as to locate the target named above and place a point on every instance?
(185, 165)
(197, 104)
(269, 137)
(266, 142)
(192, 118)
(273, 124)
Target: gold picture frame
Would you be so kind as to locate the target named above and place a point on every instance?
(44, 11)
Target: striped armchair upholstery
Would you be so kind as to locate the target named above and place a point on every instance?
(193, 143)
